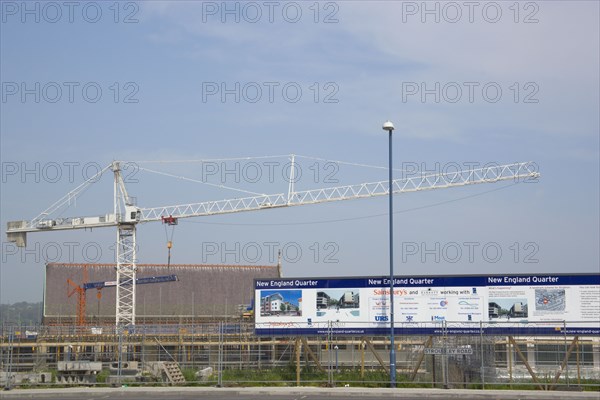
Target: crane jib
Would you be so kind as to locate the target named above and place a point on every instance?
(138, 281)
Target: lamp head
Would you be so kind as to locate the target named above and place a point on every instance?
(388, 126)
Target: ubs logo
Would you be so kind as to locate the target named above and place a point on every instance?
(381, 318)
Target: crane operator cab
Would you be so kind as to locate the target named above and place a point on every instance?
(132, 215)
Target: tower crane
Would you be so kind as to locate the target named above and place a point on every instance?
(82, 289)
(81, 302)
(126, 215)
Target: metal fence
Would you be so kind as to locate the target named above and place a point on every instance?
(229, 353)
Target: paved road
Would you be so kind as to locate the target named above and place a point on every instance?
(281, 393)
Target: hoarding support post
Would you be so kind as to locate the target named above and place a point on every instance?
(305, 351)
(578, 365)
(482, 353)
(433, 370)
(220, 356)
(362, 359)
(259, 353)
(444, 375)
(567, 358)
(297, 345)
(120, 352)
(445, 356)
(509, 353)
(329, 366)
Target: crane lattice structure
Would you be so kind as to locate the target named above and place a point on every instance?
(81, 300)
(127, 215)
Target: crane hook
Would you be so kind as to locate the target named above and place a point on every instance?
(171, 221)
(169, 245)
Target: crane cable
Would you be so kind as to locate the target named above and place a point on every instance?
(169, 241)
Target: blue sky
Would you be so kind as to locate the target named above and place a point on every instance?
(157, 62)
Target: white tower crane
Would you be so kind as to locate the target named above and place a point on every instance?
(127, 215)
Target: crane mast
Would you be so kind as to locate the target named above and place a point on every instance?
(126, 214)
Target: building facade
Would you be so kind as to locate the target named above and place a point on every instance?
(202, 292)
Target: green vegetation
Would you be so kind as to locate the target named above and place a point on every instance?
(189, 374)
(54, 373)
(25, 384)
(311, 376)
(103, 375)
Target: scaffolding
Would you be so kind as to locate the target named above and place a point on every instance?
(542, 362)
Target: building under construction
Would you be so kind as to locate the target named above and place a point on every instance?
(200, 293)
(194, 323)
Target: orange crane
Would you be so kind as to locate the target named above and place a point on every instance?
(81, 290)
(80, 296)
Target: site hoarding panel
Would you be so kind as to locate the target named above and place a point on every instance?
(495, 304)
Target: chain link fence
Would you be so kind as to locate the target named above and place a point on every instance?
(228, 353)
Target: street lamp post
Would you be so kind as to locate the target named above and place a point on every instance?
(389, 126)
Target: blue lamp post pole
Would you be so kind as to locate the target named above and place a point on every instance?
(389, 126)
